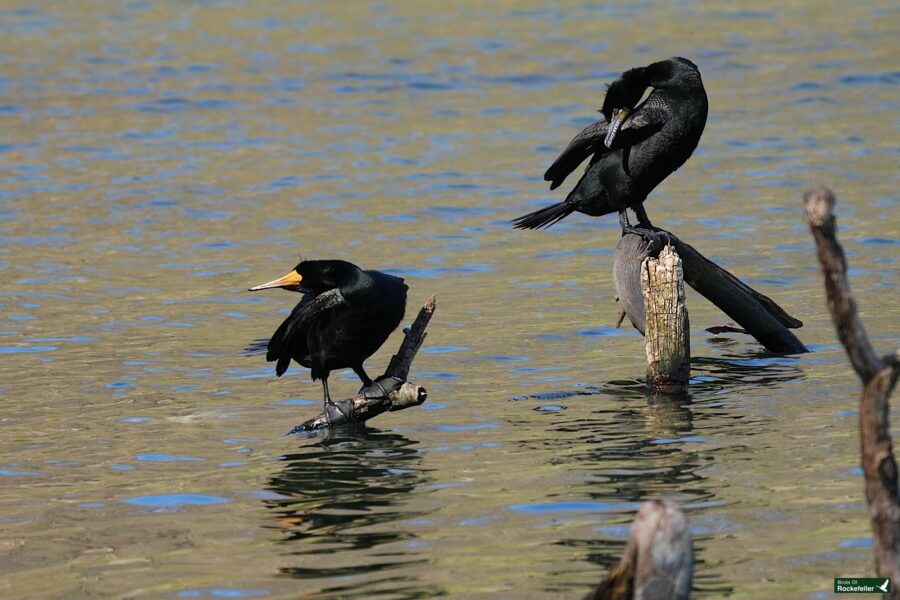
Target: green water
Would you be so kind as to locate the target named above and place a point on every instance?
(156, 159)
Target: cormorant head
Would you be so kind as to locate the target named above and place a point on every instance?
(625, 92)
(622, 96)
(314, 276)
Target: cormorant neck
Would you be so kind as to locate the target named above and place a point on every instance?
(672, 72)
(659, 74)
(635, 81)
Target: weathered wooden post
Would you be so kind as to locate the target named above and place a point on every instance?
(658, 560)
(878, 376)
(667, 340)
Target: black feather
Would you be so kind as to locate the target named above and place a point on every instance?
(655, 139)
(545, 217)
(255, 347)
(344, 316)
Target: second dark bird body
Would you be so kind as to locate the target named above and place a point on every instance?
(652, 141)
(344, 317)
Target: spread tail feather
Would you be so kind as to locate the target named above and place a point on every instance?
(545, 217)
(256, 347)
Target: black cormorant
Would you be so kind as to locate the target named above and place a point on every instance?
(345, 315)
(633, 149)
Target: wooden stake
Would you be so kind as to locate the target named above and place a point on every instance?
(667, 339)
(878, 376)
(658, 560)
(391, 391)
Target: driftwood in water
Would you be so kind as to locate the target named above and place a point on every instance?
(878, 376)
(759, 315)
(391, 391)
(658, 560)
(726, 328)
(667, 338)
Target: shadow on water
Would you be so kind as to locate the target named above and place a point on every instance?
(333, 494)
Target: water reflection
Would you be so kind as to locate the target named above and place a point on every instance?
(635, 444)
(155, 154)
(738, 371)
(734, 372)
(343, 509)
(624, 445)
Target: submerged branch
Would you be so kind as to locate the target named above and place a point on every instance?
(757, 314)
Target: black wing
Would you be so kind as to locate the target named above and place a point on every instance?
(289, 340)
(646, 120)
(588, 142)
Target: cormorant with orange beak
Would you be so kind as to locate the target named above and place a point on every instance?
(345, 315)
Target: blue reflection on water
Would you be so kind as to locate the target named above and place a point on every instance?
(175, 500)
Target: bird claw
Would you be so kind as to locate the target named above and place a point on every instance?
(376, 389)
(334, 414)
(656, 238)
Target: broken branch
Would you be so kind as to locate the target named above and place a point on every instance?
(758, 314)
(390, 392)
(878, 376)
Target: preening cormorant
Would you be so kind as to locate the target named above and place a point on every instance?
(345, 315)
(633, 148)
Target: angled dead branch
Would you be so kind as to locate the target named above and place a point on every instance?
(391, 391)
(878, 376)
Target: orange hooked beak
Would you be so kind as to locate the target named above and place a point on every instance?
(291, 281)
(619, 116)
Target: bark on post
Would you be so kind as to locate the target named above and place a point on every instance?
(667, 339)
(391, 391)
(878, 376)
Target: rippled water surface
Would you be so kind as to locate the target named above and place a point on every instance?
(156, 159)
